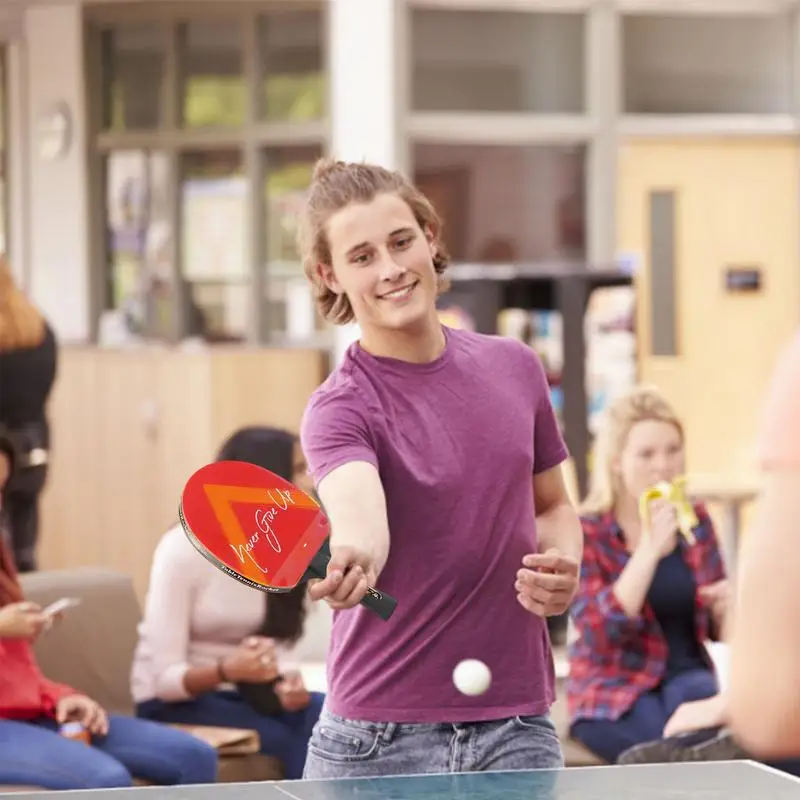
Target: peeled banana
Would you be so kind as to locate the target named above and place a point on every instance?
(674, 493)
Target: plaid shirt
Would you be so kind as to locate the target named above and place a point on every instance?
(615, 658)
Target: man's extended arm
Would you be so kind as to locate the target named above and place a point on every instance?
(354, 501)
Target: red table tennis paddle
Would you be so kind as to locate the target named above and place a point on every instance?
(260, 529)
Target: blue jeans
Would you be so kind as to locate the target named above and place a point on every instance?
(341, 748)
(284, 736)
(645, 722)
(35, 754)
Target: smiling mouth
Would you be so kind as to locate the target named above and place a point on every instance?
(401, 293)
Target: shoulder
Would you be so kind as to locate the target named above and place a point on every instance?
(506, 353)
(175, 553)
(338, 401)
(597, 526)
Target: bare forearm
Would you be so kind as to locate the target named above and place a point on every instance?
(560, 528)
(354, 500)
(199, 680)
(633, 584)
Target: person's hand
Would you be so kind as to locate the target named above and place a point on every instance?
(84, 710)
(254, 661)
(696, 715)
(350, 573)
(662, 537)
(548, 582)
(292, 692)
(22, 621)
(717, 597)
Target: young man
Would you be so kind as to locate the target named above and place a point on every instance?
(436, 454)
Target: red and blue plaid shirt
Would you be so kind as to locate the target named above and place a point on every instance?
(615, 658)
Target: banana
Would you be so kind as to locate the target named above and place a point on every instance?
(674, 493)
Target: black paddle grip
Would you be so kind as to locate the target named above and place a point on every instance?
(378, 602)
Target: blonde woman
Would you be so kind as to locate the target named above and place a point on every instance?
(28, 360)
(647, 602)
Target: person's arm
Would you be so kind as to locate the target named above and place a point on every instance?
(355, 503)
(166, 621)
(557, 522)
(342, 460)
(597, 612)
(765, 629)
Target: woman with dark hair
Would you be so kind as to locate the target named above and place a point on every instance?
(213, 651)
(33, 709)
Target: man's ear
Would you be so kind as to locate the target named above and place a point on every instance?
(326, 274)
(432, 236)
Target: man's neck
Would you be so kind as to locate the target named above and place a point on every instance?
(421, 345)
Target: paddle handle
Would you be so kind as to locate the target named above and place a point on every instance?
(379, 603)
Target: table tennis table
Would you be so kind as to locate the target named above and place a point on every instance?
(720, 780)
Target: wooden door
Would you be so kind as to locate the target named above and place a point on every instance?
(734, 205)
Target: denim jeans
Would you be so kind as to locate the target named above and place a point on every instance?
(33, 753)
(645, 721)
(341, 748)
(284, 736)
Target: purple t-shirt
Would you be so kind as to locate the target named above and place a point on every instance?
(456, 442)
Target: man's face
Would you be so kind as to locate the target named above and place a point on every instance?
(383, 262)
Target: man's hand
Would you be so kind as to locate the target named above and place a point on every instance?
(82, 709)
(350, 572)
(292, 692)
(548, 583)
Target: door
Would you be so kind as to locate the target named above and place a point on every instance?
(690, 211)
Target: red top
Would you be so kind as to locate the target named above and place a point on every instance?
(616, 658)
(24, 692)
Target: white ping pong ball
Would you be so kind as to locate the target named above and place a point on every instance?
(472, 677)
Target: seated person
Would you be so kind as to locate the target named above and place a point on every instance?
(33, 708)
(699, 731)
(648, 601)
(204, 633)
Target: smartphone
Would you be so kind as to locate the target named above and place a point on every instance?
(61, 605)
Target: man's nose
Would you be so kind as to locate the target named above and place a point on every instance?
(390, 270)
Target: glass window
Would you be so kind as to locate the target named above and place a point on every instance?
(707, 64)
(290, 306)
(215, 260)
(214, 93)
(139, 242)
(133, 71)
(503, 204)
(499, 61)
(291, 66)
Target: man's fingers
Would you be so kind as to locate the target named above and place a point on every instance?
(325, 587)
(552, 582)
(551, 560)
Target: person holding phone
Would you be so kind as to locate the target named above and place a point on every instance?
(33, 709)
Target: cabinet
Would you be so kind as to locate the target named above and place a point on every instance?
(129, 428)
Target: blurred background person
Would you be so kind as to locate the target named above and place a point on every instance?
(28, 361)
(765, 702)
(648, 600)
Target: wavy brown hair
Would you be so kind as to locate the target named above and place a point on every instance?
(21, 324)
(337, 184)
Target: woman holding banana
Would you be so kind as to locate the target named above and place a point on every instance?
(652, 589)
